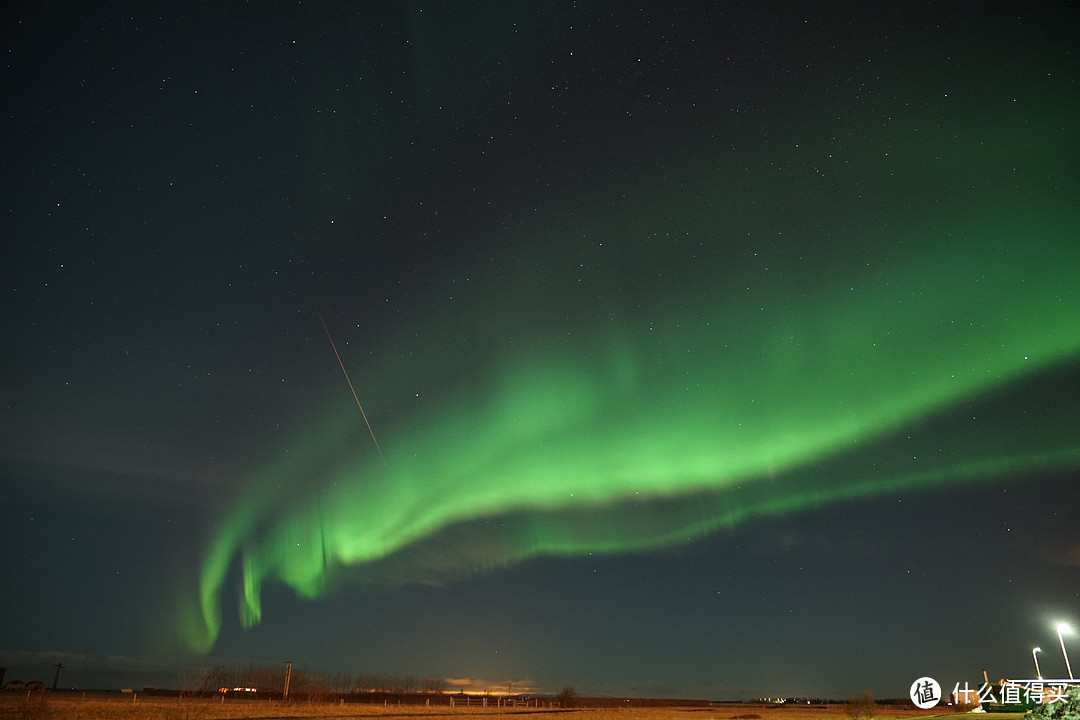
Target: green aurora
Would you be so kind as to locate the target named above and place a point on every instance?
(634, 393)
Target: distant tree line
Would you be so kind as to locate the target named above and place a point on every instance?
(399, 684)
(310, 684)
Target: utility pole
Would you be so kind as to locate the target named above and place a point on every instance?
(57, 678)
(288, 676)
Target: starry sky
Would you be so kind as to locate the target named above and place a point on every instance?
(699, 349)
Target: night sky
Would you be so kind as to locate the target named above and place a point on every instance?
(708, 349)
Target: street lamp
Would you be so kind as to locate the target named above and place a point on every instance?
(1064, 629)
(1036, 659)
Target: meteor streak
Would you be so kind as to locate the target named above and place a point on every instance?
(357, 399)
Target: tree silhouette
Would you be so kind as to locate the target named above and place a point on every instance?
(568, 697)
(860, 706)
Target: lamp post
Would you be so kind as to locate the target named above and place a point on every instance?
(1063, 629)
(1036, 659)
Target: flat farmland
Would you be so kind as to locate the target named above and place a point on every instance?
(116, 706)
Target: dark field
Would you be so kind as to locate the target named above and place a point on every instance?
(123, 706)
